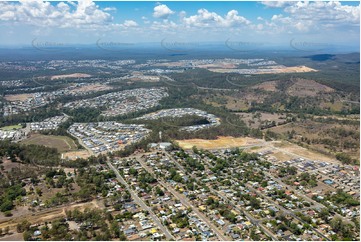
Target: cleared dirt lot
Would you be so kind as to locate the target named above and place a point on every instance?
(47, 215)
(18, 97)
(268, 70)
(13, 237)
(61, 143)
(292, 149)
(74, 75)
(72, 155)
(270, 86)
(90, 88)
(219, 143)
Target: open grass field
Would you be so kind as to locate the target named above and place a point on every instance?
(221, 142)
(305, 88)
(11, 127)
(61, 143)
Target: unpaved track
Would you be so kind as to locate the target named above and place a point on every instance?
(45, 215)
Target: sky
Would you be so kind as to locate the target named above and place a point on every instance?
(300, 23)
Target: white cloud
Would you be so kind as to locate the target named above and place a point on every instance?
(276, 4)
(162, 11)
(165, 25)
(182, 14)
(313, 17)
(109, 9)
(325, 12)
(204, 18)
(129, 23)
(86, 14)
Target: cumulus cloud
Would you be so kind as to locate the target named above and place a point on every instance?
(276, 4)
(204, 18)
(162, 11)
(313, 16)
(324, 12)
(129, 23)
(84, 14)
(165, 25)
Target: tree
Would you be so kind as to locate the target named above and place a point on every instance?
(38, 191)
(255, 203)
(27, 235)
(344, 158)
(336, 223)
(159, 191)
(6, 205)
(23, 226)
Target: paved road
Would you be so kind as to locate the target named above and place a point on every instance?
(237, 207)
(139, 201)
(310, 200)
(284, 210)
(184, 200)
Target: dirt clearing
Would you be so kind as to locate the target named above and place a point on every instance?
(47, 215)
(74, 75)
(18, 97)
(270, 86)
(91, 88)
(221, 142)
(72, 155)
(298, 151)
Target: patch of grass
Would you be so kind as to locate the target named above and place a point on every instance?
(61, 143)
(11, 127)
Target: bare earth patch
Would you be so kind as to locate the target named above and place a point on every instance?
(292, 149)
(264, 70)
(13, 237)
(221, 142)
(91, 88)
(293, 69)
(270, 86)
(46, 215)
(18, 97)
(74, 75)
(72, 155)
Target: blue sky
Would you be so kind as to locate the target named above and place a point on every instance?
(138, 9)
(272, 23)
